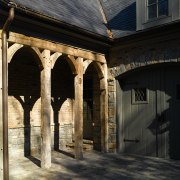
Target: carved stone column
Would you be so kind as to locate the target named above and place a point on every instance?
(46, 111)
(104, 110)
(78, 110)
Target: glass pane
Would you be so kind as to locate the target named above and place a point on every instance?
(152, 11)
(151, 2)
(163, 8)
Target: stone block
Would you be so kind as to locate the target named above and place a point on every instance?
(110, 83)
(112, 125)
(112, 138)
(111, 97)
(112, 146)
(20, 141)
(112, 120)
(111, 105)
(112, 112)
(111, 89)
(112, 130)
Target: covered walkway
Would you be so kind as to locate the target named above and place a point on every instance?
(96, 166)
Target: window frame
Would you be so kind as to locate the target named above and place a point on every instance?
(133, 96)
(157, 13)
(142, 19)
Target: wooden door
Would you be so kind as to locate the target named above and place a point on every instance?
(172, 115)
(150, 106)
(139, 113)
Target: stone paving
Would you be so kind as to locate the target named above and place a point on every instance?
(96, 166)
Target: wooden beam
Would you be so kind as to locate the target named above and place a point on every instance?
(78, 108)
(46, 111)
(55, 47)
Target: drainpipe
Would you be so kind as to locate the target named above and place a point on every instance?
(4, 35)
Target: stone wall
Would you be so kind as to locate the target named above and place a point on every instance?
(112, 115)
(124, 60)
(27, 139)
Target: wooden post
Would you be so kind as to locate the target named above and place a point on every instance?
(104, 110)
(1, 120)
(78, 108)
(46, 111)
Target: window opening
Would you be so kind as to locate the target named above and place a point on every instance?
(157, 8)
(139, 95)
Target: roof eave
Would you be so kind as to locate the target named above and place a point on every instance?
(150, 33)
(71, 27)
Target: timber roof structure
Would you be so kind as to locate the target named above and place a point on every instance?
(101, 17)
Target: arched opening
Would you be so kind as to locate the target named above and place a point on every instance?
(91, 109)
(62, 104)
(148, 105)
(24, 103)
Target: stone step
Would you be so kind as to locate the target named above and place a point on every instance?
(87, 145)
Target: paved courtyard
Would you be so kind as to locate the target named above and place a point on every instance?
(95, 166)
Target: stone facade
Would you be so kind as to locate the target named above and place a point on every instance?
(62, 117)
(123, 60)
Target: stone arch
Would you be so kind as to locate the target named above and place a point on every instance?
(70, 59)
(24, 80)
(122, 70)
(40, 58)
(73, 64)
(86, 63)
(54, 58)
(97, 66)
(12, 50)
(125, 68)
(99, 99)
(64, 70)
(16, 47)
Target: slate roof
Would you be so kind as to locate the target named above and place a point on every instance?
(121, 16)
(86, 14)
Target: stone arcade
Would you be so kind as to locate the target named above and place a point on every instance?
(89, 71)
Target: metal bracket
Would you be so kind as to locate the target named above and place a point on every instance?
(132, 140)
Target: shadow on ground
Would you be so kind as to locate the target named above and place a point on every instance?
(97, 166)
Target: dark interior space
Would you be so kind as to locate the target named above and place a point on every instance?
(91, 105)
(62, 89)
(24, 85)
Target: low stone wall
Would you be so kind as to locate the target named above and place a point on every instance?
(29, 139)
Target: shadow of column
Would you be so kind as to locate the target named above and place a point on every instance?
(27, 105)
(56, 103)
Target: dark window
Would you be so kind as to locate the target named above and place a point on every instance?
(140, 94)
(178, 91)
(157, 8)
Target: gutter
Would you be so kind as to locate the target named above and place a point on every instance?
(4, 35)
